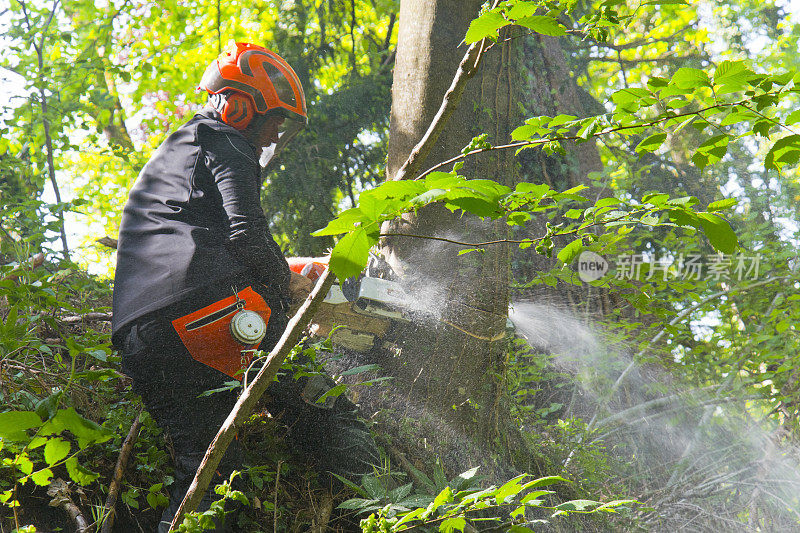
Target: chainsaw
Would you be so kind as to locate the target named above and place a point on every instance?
(358, 311)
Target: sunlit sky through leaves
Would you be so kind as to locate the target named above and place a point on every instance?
(12, 89)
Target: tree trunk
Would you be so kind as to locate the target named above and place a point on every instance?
(448, 368)
(448, 392)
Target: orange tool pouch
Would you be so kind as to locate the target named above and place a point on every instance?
(207, 335)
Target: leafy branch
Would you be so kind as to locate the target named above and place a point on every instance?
(449, 510)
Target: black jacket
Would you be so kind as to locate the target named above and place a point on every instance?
(194, 219)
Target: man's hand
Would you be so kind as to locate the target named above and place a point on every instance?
(299, 289)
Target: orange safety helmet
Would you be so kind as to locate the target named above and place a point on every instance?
(257, 81)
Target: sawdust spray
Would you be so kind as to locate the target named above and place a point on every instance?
(696, 456)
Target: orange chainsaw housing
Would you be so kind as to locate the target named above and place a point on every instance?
(310, 267)
(206, 333)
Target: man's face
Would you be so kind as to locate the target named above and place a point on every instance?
(268, 134)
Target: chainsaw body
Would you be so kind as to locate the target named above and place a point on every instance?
(359, 311)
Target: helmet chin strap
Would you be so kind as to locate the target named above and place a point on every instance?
(267, 155)
(217, 102)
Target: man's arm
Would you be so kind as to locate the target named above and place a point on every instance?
(234, 168)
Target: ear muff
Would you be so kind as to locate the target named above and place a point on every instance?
(238, 110)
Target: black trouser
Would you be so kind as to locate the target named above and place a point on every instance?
(170, 383)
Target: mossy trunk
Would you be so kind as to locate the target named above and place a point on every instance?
(449, 391)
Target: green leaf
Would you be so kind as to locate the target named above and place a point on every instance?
(733, 75)
(42, 477)
(23, 463)
(616, 503)
(155, 499)
(345, 222)
(415, 514)
(544, 25)
(651, 143)
(396, 495)
(85, 430)
(577, 505)
(455, 523)
(78, 473)
(357, 503)
(350, 255)
(793, 118)
(373, 487)
(545, 481)
(657, 82)
(719, 232)
(446, 496)
(48, 407)
(13, 424)
(711, 151)
(509, 489)
(334, 392)
(690, 78)
(638, 95)
(785, 150)
(571, 251)
(55, 450)
(719, 205)
(737, 116)
(522, 9)
(560, 120)
(531, 497)
(485, 26)
(428, 197)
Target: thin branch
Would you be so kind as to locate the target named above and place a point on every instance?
(521, 144)
(387, 41)
(60, 492)
(48, 140)
(513, 241)
(249, 398)
(109, 510)
(219, 26)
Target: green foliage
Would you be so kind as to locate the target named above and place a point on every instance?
(692, 110)
(512, 506)
(196, 522)
(486, 198)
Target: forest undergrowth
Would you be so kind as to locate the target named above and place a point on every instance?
(69, 409)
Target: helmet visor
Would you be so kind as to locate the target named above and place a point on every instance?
(286, 132)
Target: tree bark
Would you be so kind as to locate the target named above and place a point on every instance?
(448, 370)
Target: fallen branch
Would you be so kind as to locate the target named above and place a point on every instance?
(29, 264)
(247, 402)
(60, 492)
(88, 317)
(110, 509)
